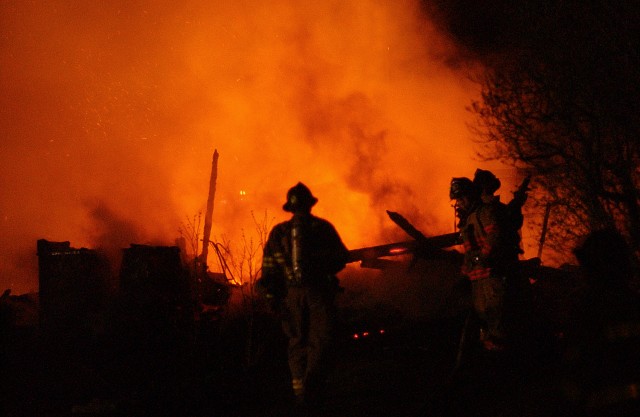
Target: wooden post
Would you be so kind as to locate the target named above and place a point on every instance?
(209, 213)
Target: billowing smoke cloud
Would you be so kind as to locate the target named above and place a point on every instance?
(111, 111)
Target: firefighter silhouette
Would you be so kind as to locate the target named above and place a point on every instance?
(517, 303)
(301, 259)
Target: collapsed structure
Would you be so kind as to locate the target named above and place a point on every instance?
(72, 290)
(78, 291)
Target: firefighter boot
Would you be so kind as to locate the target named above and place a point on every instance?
(298, 390)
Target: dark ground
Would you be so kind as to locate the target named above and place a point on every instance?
(407, 371)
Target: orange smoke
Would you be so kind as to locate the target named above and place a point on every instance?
(111, 113)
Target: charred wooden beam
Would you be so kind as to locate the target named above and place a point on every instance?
(209, 214)
(375, 252)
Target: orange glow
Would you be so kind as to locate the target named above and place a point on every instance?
(112, 110)
(398, 251)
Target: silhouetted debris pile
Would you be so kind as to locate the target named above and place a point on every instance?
(72, 291)
(154, 353)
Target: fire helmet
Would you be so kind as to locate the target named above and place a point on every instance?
(486, 181)
(299, 197)
(462, 187)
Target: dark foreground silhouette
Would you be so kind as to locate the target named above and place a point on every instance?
(400, 368)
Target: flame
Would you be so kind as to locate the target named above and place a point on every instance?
(398, 251)
(111, 112)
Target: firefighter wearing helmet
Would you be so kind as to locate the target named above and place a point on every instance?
(518, 300)
(301, 259)
(481, 235)
(489, 184)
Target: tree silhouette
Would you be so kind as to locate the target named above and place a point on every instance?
(560, 99)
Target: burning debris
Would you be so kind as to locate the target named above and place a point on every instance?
(76, 296)
(155, 305)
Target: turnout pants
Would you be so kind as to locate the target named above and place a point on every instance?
(308, 323)
(488, 303)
